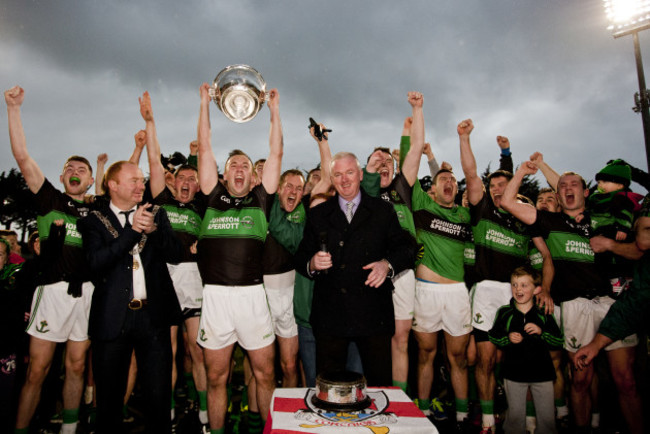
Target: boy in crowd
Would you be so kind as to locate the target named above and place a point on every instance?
(525, 333)
(611, 208)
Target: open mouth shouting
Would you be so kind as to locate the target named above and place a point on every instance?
(185, 192)
(239, 182)
(291, 201)
(74, 181)
(569, 198)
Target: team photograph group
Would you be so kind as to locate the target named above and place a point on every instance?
(361, 263)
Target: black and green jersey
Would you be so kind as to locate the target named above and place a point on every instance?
(444, 232)
(285, 234)
(529, 361)
(501, 241)
(469, 262)
(185, 219)
(399, 194)
(52, 205)
(576, 274)
(534, 255)
(232, 237)
(610, 212)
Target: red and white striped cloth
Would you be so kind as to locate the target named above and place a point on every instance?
(391, 411)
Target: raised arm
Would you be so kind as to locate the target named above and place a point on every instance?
(140, 141)
(505, 160)
(434, 168)
(193, 158)
(523, 211)
(99, 175)
(411, 163)
(156, 169)
(321, 189)
(552, 177)
(273, 165)
(208, 176)
(475, 189)
(31, 172)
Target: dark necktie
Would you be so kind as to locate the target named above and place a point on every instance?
(126, 214)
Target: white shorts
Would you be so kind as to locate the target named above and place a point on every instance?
(235, 314)
(279, 292)
(442, 306)
(487, 297)
(187, 284)
(404, 295)
(581, 318)
(57, 316)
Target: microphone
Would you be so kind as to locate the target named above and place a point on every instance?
(323, 241)
(323, 245)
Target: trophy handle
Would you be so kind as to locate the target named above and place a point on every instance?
(214, 93)
(264, 97)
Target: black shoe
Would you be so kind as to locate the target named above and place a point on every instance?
(462, 427)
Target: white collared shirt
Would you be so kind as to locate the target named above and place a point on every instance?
(139, 285)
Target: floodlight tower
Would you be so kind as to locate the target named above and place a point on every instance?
(629, 17)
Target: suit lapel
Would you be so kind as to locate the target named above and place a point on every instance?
(361, 214)
(336, 215)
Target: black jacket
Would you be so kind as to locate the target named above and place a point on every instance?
(111, 264)
(343, 305)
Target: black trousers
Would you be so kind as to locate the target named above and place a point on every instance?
(332, 352)
(111, 360)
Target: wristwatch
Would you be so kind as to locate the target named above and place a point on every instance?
(391, 271)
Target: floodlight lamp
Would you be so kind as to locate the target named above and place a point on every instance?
(627, 16)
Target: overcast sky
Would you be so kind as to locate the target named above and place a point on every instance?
(547, 74)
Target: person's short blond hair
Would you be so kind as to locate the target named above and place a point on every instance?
(341, 156)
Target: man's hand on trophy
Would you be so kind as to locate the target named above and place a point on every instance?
(204, 91)
(274, 99)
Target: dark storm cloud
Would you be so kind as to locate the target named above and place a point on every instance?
(547, 74)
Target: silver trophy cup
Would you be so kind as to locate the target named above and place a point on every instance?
(239, 91)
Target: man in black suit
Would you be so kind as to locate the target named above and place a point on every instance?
(352, 246)
(134, 302)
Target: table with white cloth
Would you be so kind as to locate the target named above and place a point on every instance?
(292, 411)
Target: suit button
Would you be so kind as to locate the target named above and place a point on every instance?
(342, 266)
(344, 291)
(341, 243)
